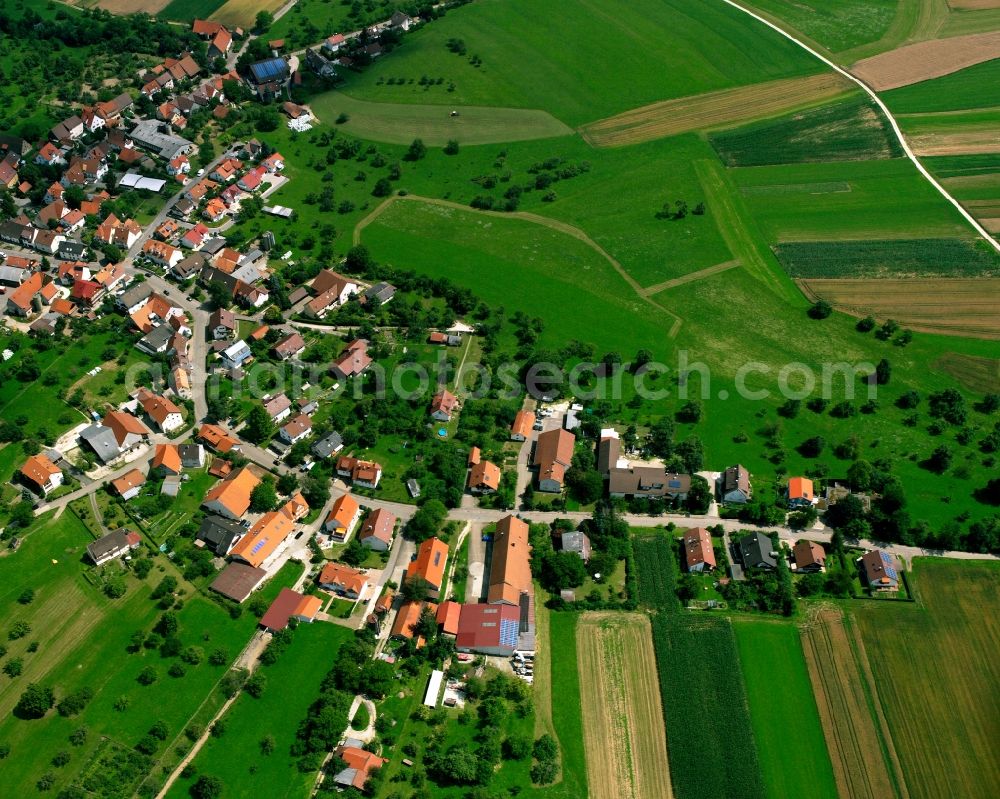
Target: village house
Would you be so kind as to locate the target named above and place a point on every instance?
(344, 514)
(575, 541)
(166, 460)
(129, 484)
(366, 474)
(290, 605)
(263, 538)
(167, 416)
(328, 445)
(278, 407)
(377, 530)
(113, 545)
(41, 474)
(161, 253)
(428, 566)
(220, 534)
(699, 556)
(734, 486)
(484, 478)
(291, 346)
(808, 556)
(553, 456)
(358, 764)
(297, 429)
(757, 552)
(521, 429)
(343, 580)
(217, 438)
(231, 497)
(878, 571)
(332, 290)
(129, 432)
(353, 361)
(799, 493)
(443, 406)
(222, 324)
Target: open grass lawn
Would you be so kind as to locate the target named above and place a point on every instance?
(242, 13)
(311, 21)
(610, 56)
(936, 670)
(401, 123)
(863, 200)
(187, 10)
(835, 24)
(786, 724)
(82, 639)
(970, 88)
(521, 265)
(293, 684)
(848, 130)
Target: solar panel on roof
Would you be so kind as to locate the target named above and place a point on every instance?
(257, 547)
(271, 69)
(508, 633)
(674, 483)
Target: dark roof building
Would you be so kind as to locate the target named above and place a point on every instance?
(238, 580)
(220, 534)
(113, 545)
(756, 552)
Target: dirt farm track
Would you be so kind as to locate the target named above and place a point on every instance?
(623, 728)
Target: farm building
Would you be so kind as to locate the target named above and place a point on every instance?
(290, 605)
(488, 629)
(238, 580)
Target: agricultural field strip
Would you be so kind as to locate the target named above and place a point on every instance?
(922, 61)
(864, 761)
(552, 224)
(713, 109)
(976, 373)
(689, 278)
(951, 306)
(623, 721)
(888, 114)
(242, 12)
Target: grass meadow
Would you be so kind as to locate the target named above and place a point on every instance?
(836, 25)
(974, 87)
(293, 684)
(80, 634)
(624, 55)
(786, 724)
(936, 670)
(187, 10)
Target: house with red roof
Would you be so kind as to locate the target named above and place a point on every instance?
(699, 556)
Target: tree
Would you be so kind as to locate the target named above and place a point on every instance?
(908, 400)
(288, 484)
(147, 676)
(35, 702)
(939, 460)
(263, 21)
(883, 372)
(382, 188)
(416, 150)
(359, 260)
(220, 295)
(689, 412)
(207, 787)
(948, 405)
(27, 596)
(820, 309)
(687, 588)
(264, 496)
(451, 148)
(562, 570)
(13, 667)
(267, 745)
(74, 703)
(812, 447)
(426, 521)
(866, 325)
(258, 427)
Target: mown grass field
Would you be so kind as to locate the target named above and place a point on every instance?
(836, 25)
(622, 716)
(786, 724)
(848, 130)
(187, 10)
(242, 13)
(974, 87)
(864, 759)
(293, 684)
(619, 55)
(936, 671)
(710, 737)
(399, 123)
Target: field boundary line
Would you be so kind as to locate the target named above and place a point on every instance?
(527, 216)
(982, 231)
(693, 276)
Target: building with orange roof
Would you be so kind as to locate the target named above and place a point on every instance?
(484, 478)
(129, 431)
(447, 615)
(41, 474)
(217, 438)
(22, 300)
(362, 473)
(358, 764)
(521, 429)
(215, 209)
(343, 580)
(62, 306)
(406, 619)
(377, 531)
(344, 514)
(800, 492)
(231, 497)
(432, 555)
(510, 570)
(443, 405)
(699, 556)
(263, 538)
(296, 507)
(288, 605)
(553, 456)
(128, 485)
(167, 459)
(162, 410)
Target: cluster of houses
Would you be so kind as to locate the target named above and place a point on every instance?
(337, 52)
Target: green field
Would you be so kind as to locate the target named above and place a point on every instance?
(970, 88)
(521, 264)
(399, 123)
(657, 572)
(835, 24)
(293, 684)
(961, 165)
(187, 10)
(846, 200)
(310, 21)
(937, 673)
(929, 257)
(709, 734)
(80, 634)
(615, 56)
(786, 723)
(849, 130)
